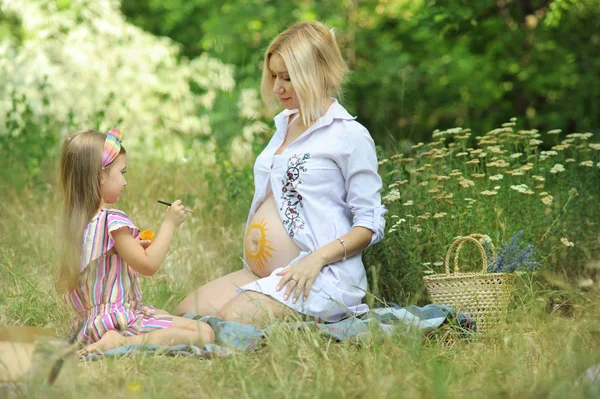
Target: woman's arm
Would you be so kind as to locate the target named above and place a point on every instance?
(357, 239)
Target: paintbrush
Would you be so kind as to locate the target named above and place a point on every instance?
(169, 204)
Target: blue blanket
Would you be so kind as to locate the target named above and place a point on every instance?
(232, 336)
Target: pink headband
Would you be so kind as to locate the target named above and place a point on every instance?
(112, 146)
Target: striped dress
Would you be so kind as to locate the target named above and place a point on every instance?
(107, 296)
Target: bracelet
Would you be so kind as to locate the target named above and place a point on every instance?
(341, 240)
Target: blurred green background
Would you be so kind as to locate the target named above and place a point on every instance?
(418, 65)
(191, 68)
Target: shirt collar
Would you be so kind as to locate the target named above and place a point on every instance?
(335, 111)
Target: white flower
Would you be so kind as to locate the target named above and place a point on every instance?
(589, 164)
(522, 188)
(438, 263)
(497, 177)
(595, 146)
(466, 182)
(565, 241)
(489, 192)
(555, 131)
(570, 160)
(496, 188)
(534, 142)
(439, 215)
(516, 155)
(547, 200)
(539, 178)
(549, 152)
(557, 168)
(462, 154)
(408, 203)
(581, 136)
(392, 196)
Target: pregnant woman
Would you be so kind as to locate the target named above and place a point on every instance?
(317, 202)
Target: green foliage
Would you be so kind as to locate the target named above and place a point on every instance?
(418, 65)
(497, 184)
(26, 140)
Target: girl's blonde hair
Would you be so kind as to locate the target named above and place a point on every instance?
(314, 63)
(81, 178)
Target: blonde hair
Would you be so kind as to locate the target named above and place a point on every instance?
(81, 179)
(314, 63)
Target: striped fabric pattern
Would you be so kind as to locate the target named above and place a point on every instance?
(108, 296)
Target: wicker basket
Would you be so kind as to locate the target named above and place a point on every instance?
(483, 295)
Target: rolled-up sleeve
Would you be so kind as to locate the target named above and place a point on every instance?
(358, 163)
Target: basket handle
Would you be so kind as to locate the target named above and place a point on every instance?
(458, 243)
(474, 235)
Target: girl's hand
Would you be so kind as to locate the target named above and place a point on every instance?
(301, 275)
(144, 243)
(175, 213)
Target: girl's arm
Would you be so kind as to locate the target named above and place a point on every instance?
(147, 261)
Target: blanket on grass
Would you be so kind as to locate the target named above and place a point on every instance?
(232, 336)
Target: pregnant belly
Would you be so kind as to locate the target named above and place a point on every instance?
(267, 244)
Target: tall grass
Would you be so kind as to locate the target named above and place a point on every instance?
(497, 184)
(552, 334)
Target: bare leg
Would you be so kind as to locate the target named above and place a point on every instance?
(183, 331)
(251, 307)
(210, 298)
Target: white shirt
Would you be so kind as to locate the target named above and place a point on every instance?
(324, 184)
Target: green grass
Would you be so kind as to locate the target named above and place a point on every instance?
(551, 338)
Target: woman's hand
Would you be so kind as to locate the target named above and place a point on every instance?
(301, 275)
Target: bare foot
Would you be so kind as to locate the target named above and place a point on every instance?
(110, 340)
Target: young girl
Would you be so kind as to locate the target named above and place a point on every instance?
(101, 256)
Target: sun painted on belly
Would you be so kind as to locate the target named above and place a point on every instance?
(258, 250)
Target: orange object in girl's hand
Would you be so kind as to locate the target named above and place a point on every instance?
(147, 235)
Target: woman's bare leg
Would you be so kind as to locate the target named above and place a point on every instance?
(184, 331)
(254, 308)
(210, 298)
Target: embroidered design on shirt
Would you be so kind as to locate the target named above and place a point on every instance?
(289, 193)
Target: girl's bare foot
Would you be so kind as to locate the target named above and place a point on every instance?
(110, 340)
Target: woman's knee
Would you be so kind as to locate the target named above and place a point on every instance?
(206, 333)
(188, 305)
(227, 313)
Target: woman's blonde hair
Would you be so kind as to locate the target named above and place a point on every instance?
(81, 179)
(314, 63)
